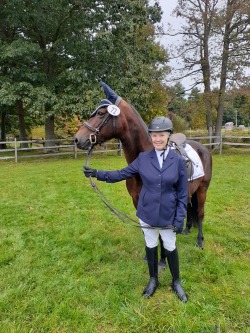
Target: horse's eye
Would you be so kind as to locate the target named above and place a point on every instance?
(100, 114)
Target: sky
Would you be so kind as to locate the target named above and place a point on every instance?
(167, 7)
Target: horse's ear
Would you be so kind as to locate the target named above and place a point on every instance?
(110, 94)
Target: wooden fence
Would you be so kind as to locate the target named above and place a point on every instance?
(37, 148)
(217, 142)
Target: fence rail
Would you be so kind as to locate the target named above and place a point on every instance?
(217, 142)
(21, 149)
(60, 147)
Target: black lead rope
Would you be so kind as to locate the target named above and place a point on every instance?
(122, 216)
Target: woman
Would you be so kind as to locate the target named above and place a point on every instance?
(162, 202)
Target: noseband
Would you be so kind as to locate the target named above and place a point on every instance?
(93, 137)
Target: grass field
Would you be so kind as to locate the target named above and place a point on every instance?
(68, 265)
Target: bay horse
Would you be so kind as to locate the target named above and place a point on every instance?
(128, 127)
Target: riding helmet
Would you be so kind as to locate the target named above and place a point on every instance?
(161, 124)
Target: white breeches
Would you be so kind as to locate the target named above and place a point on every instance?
(152, 237)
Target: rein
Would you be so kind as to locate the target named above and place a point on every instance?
(122, 216)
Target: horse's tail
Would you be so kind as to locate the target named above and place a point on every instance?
(192, 211)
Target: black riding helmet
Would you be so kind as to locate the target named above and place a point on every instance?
(161, 124)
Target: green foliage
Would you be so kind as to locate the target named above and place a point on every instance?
(63, 49)
(198, 118)
(237, 106)
(38, 132)
(180, 125)
(176, 101)
(79, 44)
(230, 114)
(68, 265)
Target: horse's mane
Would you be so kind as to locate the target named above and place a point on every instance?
(139, 117)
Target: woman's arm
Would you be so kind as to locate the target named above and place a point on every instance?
(113, 176)
(118, 175)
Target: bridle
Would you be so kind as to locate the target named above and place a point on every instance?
(93, 137)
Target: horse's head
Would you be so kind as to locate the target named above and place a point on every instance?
(104, 123)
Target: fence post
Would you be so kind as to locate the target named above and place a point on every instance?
(119, 148)
(210, 134)
(15, 142)
(220, 143)
(75, 150)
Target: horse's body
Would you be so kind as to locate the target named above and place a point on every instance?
(130, 129)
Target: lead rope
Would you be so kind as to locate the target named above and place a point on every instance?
(122, 216)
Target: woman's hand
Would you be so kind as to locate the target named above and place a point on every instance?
(89, 172)
(178, 230)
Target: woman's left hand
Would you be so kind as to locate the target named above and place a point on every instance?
(178, 230)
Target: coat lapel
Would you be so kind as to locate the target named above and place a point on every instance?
(154, 159)
(168, 161)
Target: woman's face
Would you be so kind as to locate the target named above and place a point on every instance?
(159, 139)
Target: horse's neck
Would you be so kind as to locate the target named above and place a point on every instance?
(132, 146)
(135, 139)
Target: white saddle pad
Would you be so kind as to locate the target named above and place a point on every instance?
(197, 164)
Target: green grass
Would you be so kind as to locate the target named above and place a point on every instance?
(68, 265)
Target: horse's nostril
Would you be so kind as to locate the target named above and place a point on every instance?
(76, 140)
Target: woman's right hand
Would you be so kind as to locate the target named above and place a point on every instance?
(89, 172)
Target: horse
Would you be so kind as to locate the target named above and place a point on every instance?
(128, 126)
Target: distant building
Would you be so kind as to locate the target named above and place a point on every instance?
(241, 127)
(229, 126)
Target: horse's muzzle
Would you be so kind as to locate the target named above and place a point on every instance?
(81, 144)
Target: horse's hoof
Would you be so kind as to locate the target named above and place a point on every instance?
(200, 246)
(186, 231)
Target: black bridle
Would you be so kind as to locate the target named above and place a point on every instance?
(93, 137)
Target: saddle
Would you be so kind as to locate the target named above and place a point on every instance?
(177, 142)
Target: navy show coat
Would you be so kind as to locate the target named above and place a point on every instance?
(164, 194)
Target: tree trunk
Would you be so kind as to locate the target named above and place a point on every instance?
(207, 92)
(221, 97)
(224, 70)
(208, 107)
(21, 123)
(205, 66)
(50, 131)
(3, 130)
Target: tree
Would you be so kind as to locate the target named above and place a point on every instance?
(17, 70)
(208, 25)
(236, 23)
(175, 99)
(237, 107)
(77, 44)
(194, 52)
